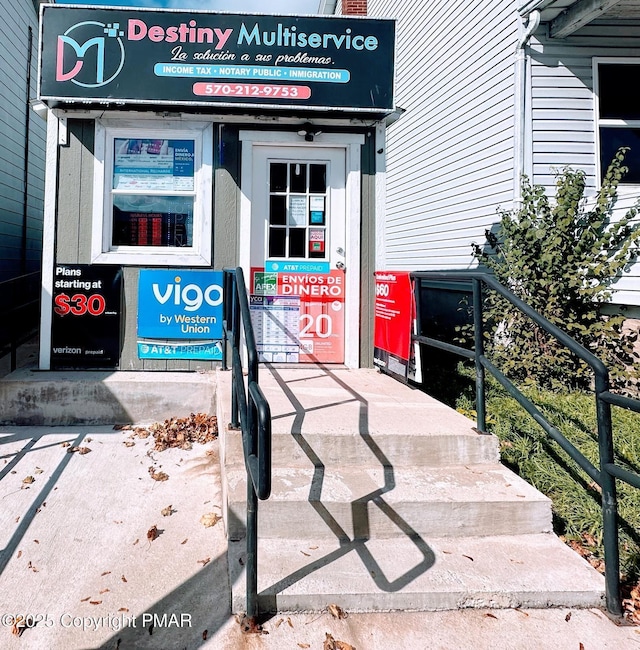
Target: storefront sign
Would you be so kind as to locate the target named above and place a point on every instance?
(285, 266)
(319, 328)
(85, 329)
(394, 314)
(180, 304)
(210, 351)
(114, 55)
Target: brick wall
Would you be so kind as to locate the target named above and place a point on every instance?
(354, 7)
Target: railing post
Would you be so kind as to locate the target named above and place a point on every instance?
(478, 344)
(609, 499)
(252, 550)
(235, 342)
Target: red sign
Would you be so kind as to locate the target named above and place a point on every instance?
(321, 333)
(394, 314)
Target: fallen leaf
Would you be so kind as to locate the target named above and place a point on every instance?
(137, 540)
(104, 591)
(123, 578)
(184, 541)
(19, 626)
(33, 568)
(95, 602)
(333, 644)
(205, 634)
(168, 511)
(36, 541)
(105, 573)
(65, 444)
(313, 548)
(568, 617)
(81, 450)
(468, 557)
(19, 555)
(153, 533)
(581, 646)
(129, 443)
(289, 623)
(157, 476)
(303, 645)
(84, 600)
(490, 615)
(336, 611)
(88, 439)
(305, 554)
(38, 471)
(28, 479)
(123, 609)
(279, 622)
(205, 561)
(210, 519)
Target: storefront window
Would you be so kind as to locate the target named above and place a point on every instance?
(154, 195)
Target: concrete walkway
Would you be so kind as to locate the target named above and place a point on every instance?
(75, 556)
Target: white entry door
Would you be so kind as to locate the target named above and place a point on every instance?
(298, 264)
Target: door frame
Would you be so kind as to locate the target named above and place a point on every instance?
(351, 143)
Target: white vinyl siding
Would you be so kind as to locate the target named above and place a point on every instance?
(450, 156)
(563, 118)
(17, 16)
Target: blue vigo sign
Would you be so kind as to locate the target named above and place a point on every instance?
(180, 304)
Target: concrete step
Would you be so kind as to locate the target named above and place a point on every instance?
(391, 448)
(419, 574)
(348, 502)
(30, 397)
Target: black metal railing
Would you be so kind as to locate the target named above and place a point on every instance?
(251, 413)
(20, 300)
(605, 476)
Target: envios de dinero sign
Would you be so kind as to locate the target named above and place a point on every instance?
(121, 56)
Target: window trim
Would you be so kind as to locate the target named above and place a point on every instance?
(609, 123)
(102, 250)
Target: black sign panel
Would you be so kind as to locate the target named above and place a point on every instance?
(85, 331)
(203, 58)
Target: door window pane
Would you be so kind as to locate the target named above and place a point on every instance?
(298, 181)
(318, 178)
(277, 210)
(297, 238)
(277, 239)
(278, 177)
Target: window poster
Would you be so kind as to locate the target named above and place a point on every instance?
(87, 307)
(276, 325)
(163, 165)
(317, 330)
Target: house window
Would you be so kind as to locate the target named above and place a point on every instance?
(152, 193)
(619, 116)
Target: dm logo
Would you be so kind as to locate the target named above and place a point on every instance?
(90, 54)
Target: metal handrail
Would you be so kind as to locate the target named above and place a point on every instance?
(251, 413)
(605, 476)
(20, 298)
